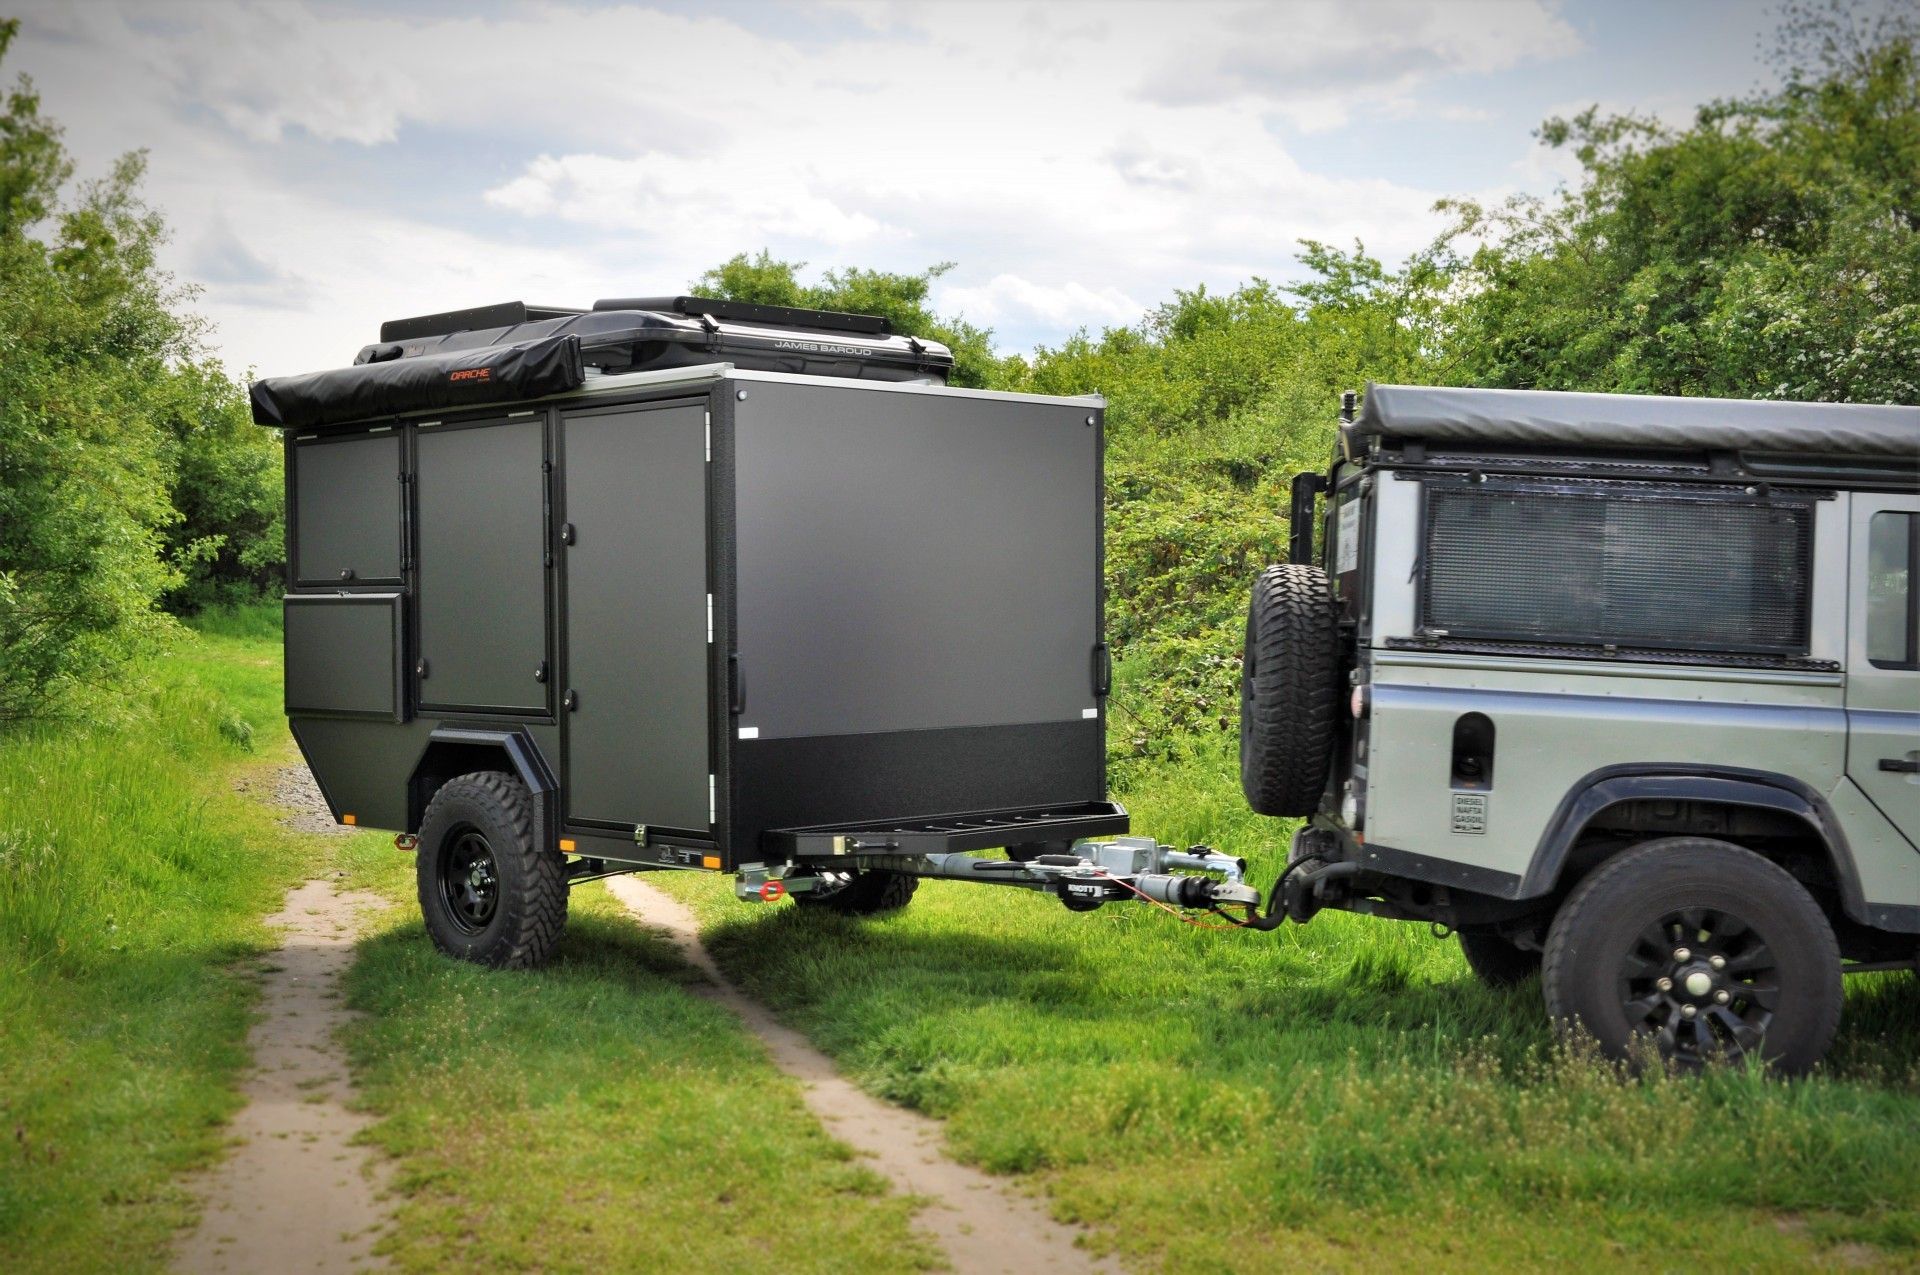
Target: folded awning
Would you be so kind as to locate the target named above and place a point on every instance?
(457, 379)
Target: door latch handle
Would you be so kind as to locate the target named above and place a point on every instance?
(420, 670)
(1901, 765)
(566, 533)
(570, 701)
(540, 671)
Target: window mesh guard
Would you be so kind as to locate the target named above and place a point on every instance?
(1609, 564)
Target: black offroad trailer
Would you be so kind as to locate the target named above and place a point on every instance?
(680, 583)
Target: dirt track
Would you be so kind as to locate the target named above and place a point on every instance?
(296, 1194)
(982, 1223)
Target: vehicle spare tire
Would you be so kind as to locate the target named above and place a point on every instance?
(1289, 691)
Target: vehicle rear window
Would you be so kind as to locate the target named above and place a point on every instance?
(1601, 563)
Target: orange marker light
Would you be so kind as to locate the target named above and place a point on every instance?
(710, 861)
(566, 845)
(350, 820)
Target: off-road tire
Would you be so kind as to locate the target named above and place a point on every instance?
(1591, 970)
(1496, 961)
(869, 893)
(1289, 691)
(530, 890)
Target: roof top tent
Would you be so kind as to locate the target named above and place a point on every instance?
(720, 584)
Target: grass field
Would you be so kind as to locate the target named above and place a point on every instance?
(132, 880)
(1339, 1095)
(1335, 1096)
(594, 1115)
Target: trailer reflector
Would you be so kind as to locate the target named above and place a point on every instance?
(566, 845)
(711, 861)
(350, 820)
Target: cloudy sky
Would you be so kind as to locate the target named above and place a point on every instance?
(328, 165)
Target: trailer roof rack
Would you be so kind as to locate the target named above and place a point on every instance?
(784, 316)
(505, 314)
(985, 830)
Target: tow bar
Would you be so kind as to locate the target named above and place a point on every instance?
(1094, 874)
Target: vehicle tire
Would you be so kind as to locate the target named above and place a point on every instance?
(1749, 961)
(868, 894)
(1289, 691)
(488, 893)
(1496, 961)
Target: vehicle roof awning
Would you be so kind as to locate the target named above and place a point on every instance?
(1552, 418)
(459, 378)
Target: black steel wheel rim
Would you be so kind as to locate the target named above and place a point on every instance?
(1702, 984)
(469, 879)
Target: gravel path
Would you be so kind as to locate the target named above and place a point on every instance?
(296, 1194)
(985, 1227)
(293, 791)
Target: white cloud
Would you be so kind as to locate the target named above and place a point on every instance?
(327, 167)
(1316, 63)
(674, 197)
(1068, 305)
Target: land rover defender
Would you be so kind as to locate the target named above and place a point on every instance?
(1620, 689)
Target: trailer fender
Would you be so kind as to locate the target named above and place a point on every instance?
(454, 751)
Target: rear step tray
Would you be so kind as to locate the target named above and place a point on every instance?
(946, 834)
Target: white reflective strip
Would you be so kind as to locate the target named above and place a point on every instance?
(709, 619)
(1089, 712)
(749, 732)
(528, 412)
(712, 817)
(709, 435)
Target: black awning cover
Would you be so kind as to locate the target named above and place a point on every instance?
(456, 379)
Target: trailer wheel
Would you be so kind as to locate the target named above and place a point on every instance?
(1495, 961)
(869, 893)
(1289, 694)
(1702, 948)
(487, 892)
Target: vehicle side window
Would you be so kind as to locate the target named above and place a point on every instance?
(1893, 611)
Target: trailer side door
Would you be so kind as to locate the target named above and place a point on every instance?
(634, 536)
(481, 579)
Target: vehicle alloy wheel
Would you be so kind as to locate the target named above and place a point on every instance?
(1703, 983)
(1701, 949)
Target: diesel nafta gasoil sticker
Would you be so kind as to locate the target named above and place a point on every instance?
(1348, 538)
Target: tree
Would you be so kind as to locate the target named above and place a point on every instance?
(1770, 249)
(112, 422)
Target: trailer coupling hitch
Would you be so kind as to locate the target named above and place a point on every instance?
(1093, 873)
